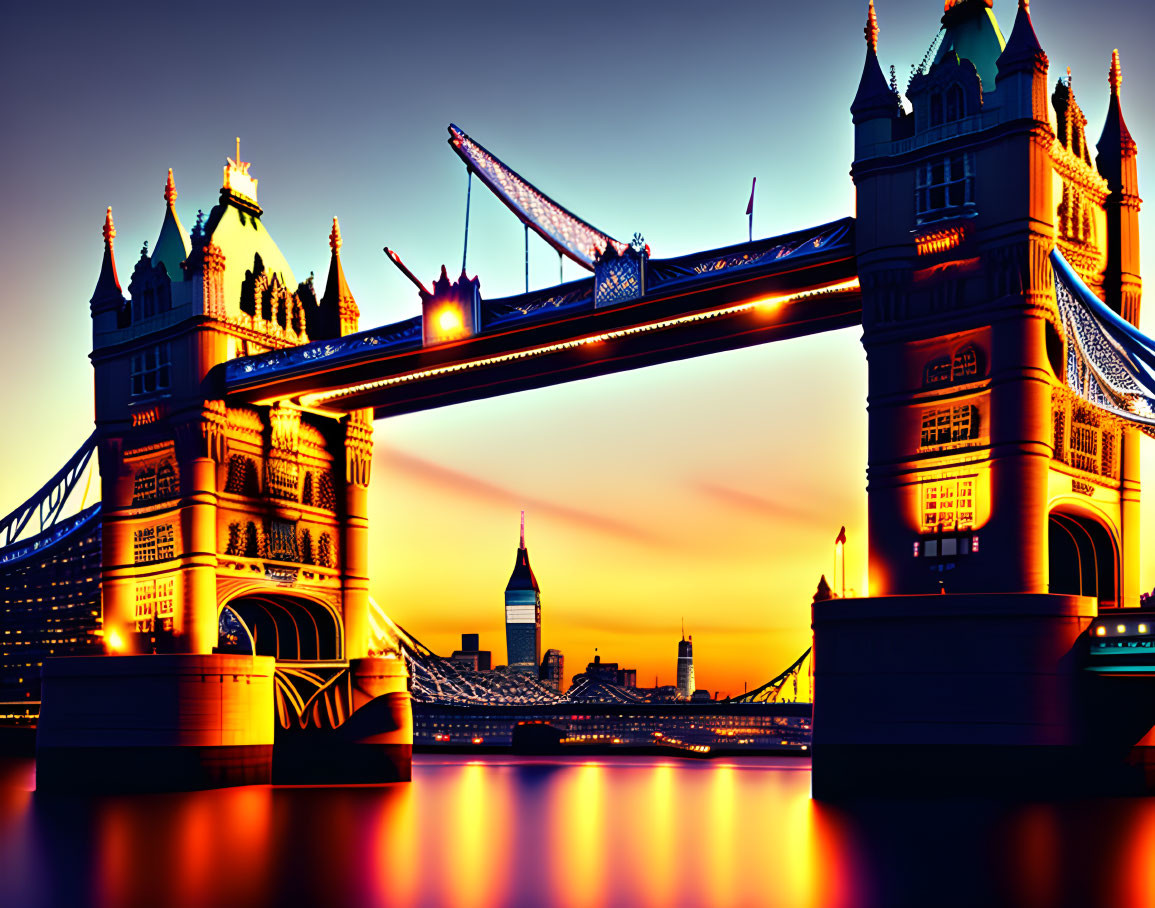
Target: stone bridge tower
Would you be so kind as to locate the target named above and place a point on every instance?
(986, 473)
(206, 504)
(988, 480)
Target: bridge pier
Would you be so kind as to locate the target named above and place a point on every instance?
(984, 694)
(155, 723)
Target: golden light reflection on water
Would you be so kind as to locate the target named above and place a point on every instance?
(578, 860)
(616, 831)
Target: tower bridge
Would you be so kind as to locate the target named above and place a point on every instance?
(993, 264)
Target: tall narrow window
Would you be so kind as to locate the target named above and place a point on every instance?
(151, 370)
(944, 187)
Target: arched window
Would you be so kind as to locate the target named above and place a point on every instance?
(937, 372)
(166, 483)
(965, 364)
(936, 109)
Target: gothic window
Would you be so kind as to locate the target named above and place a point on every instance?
(145, 606)
(1085, 447)
(235, 545)
(242, 478)
(282, 540)
(165, 602)
(307, 489)
(252, 541)
(947, 424)
(1108, 464)
(326, 494)
(166, 484)
(937, 372)
(165, 542)
(965, 364)
(281, 479)
(151, 370)
(144, 486)
(936, 109)
(144, 545)
(944, 187)
(325, 551)
(948, 505)
(1059, 420)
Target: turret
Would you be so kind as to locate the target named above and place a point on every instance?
(172, 245)
(107, 299)
(1022, 71)
(338, 313)
(875, 106)
(1116, 163)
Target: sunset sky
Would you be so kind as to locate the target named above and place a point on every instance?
(709, 490)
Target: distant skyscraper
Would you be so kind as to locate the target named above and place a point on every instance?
(686, 666)
(523, 613)
(553, 669)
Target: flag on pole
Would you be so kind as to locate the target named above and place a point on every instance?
(841, 537)
(750, 209)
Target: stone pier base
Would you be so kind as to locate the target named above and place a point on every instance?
(958, 694)
(159, 722)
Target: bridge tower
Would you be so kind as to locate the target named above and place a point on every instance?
(988, 480)
(986, 474)
(229, 532)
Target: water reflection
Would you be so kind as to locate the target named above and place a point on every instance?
(622, 831)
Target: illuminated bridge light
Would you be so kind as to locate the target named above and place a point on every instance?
(1142, 628)
(322, 397)
(1121, 628)
(449, 320)
(1100, 631)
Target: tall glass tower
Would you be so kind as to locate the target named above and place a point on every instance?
(523, 613)
(686, 666)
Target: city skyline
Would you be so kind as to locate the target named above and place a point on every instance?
(670, 491)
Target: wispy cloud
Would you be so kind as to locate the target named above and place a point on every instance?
(460, 483)
(758, 505)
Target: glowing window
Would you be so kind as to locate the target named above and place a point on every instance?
(937, 372)
(948, 505)
(965, 364)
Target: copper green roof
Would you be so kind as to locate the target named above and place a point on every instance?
(236, 229)
(972, 33)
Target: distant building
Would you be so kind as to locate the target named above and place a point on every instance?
(523, 613)
(686, 667)
(553, 669)
(610, 673)
(471, 655)
(701, 695)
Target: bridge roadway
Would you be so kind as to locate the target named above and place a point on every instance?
(724, 299)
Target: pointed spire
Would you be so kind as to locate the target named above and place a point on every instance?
(871, 30)
(108, 285)
(874, 99)
(1116, 143)
(522, 529)
(338, 309)
(172, 245)
(1022, 53)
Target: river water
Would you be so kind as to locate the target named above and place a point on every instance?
(630, 831)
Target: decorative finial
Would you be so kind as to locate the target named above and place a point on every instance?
(335, 237)
(1068, 78)
(199, 227)
(1025, 6)
(871, 30)
(523, 529)
(144, 250)
(1116, 75)
(170, 190)
(109, 227)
